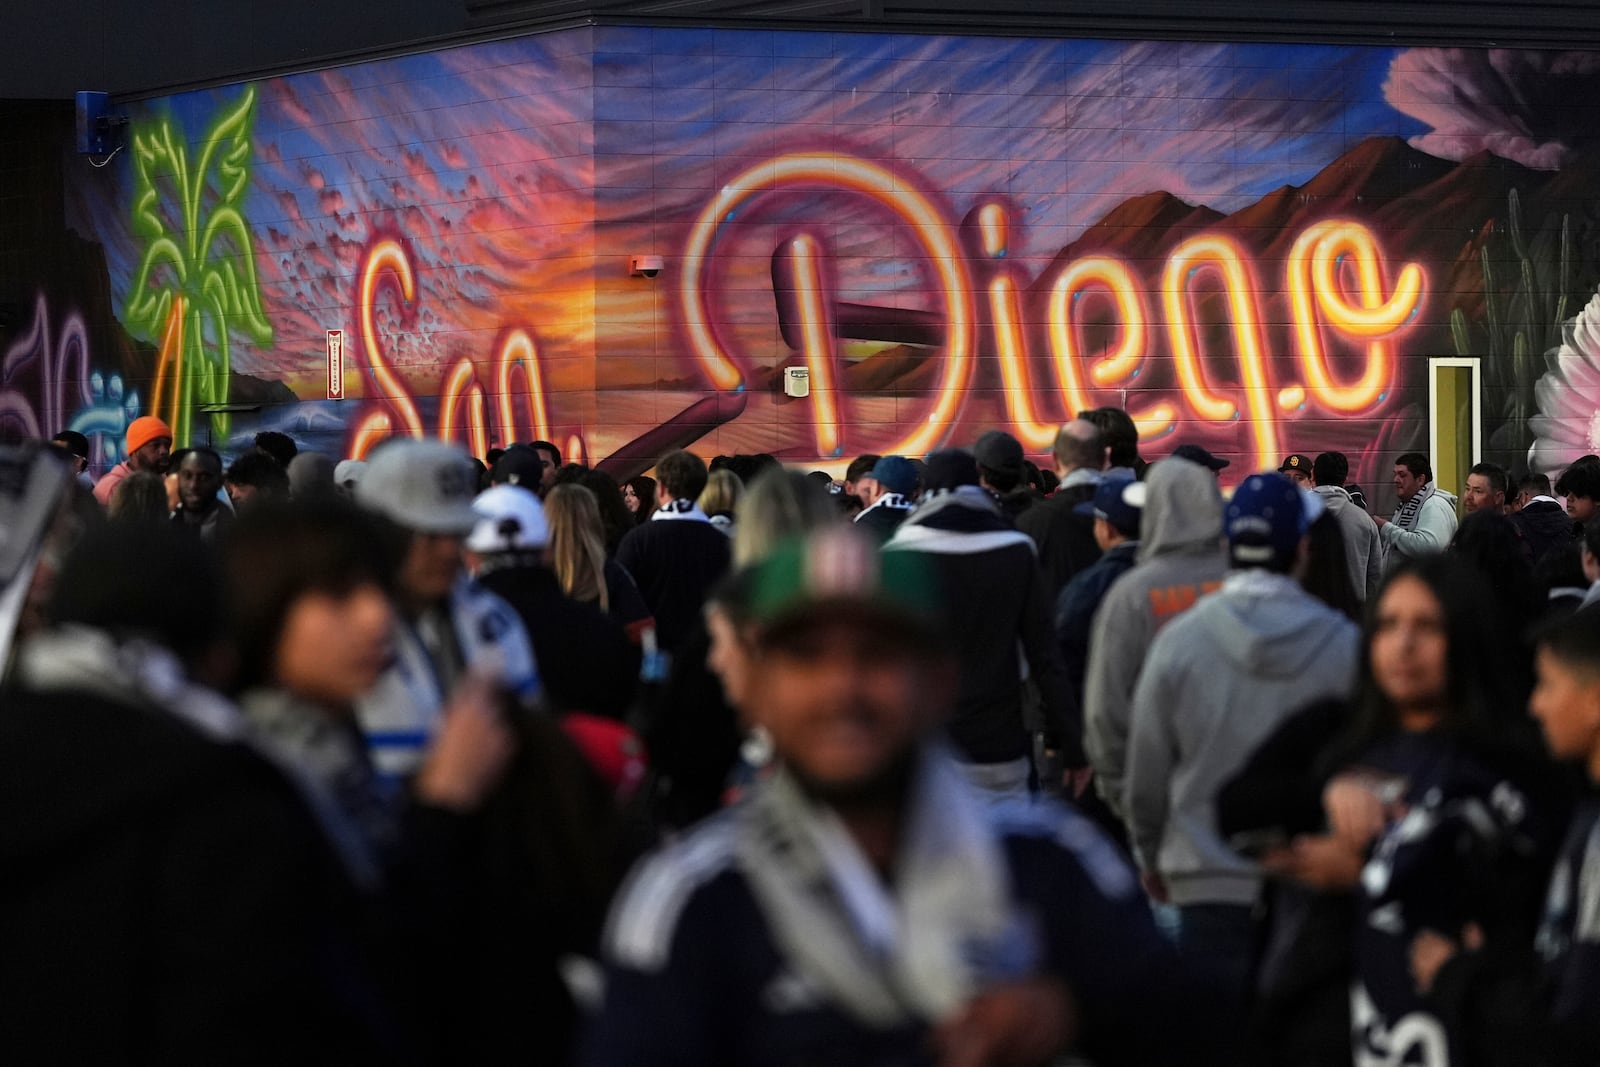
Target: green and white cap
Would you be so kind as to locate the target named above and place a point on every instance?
(840, 572)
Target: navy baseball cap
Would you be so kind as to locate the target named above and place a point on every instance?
(1267, 517)
(1196, 454)
(1119, 501)
(896, 474)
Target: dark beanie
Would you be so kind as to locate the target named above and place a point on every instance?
(150, 581)
(949, 468)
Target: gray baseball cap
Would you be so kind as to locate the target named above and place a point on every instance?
(425, 486)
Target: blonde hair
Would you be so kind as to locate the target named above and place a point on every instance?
(779, 505)
(577, 543)
(722, 492)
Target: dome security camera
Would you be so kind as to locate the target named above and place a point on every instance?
(645, 266)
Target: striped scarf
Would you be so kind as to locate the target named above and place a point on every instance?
(1405, 516)
(915, 949)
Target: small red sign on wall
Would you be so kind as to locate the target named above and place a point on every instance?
(335, 364)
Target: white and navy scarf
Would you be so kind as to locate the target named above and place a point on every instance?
(327, 761)
(144, 674)
(680, 509)
(1405, 516)
(888, 502)
(133, 671)
(890, 954)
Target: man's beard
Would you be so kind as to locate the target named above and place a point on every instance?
(888, 789)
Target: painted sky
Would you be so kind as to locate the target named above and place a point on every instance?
(482, 158)
(1062, 131)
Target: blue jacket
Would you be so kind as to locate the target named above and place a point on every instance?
(1075, 609)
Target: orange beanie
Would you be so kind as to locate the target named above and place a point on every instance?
(145, 429)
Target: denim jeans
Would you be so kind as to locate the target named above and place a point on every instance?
(1218, 941)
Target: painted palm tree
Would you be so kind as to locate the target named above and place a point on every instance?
(196, 282)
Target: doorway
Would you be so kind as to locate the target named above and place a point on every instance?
(1455, 419)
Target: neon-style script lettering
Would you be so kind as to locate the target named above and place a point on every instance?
(1347, 309)
(836, 171)
(464, 405)
(1335, 283)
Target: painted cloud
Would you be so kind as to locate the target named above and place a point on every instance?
(1531, 107)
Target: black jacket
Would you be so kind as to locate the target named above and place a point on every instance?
(164, 899)
(626, 605)
(585, 659)
(881, 521)
(1301, 1009)
(1533, 1004)
(1065, 539)
(995, 599)
(675, 562)
(1544, 527)
(529, 879)
(692, 736)
(1018, 502)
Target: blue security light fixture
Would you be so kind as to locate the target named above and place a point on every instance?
(99, 131)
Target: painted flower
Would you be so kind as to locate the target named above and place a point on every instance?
(1568, 396)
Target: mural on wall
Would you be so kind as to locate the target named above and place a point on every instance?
(1568, 395)
(47, 385)
(196, 280)
(1254, 248)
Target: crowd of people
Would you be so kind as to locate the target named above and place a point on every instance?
(955, 760)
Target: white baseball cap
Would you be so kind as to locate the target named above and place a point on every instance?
(510, 519)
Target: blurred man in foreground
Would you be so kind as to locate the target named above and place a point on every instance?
(864, 906)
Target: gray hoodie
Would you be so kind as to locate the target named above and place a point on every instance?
(1435, 526)
(1363, 545)
(1180, 559)
(1216, 684)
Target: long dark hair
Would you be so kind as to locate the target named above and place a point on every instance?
(614, 514)
(644, 487)
(1481, 711)
(1327, 574)
(1490, 540)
